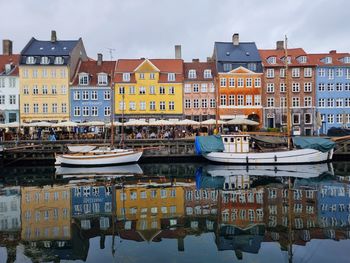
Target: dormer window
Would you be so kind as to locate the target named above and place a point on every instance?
(207, 74)
(346, 60)
(271, 60)
(58, 60)
(126, 77)
(289, 59)
(83, 79)
(44, 60)
(192, 74)
(328, 60)
(171, 76)
(102, 79)
(302, 59)
(30, 60)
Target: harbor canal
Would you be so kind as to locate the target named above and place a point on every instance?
(178, 212)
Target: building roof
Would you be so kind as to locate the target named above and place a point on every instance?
(164, 65)
(47, 48)
(199, 67)
(293, 53)
(244, 52)
(318, 59)
(93, 69)
(9, 59)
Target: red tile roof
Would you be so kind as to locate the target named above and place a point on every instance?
(199, 67)
(316, 58)
(164, 65)
(9, 59)
(93, 69)
(294, 53)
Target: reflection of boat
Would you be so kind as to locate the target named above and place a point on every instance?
(120, 170)
(100, 156)
(300, 171)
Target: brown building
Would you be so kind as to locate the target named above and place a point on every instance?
(301, 88)
(199, 90)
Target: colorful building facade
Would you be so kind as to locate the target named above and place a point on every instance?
(91, 92)
(301, 90)
(332, 89)
(199, 90)
(149, 89)
(9, 84)
(45, 71)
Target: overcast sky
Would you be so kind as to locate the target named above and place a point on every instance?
(151, 28)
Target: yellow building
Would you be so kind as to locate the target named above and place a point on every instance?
(46, 68)
(46, 213)
(149, 88)
(148, 206)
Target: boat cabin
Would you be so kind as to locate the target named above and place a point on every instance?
(236, 143)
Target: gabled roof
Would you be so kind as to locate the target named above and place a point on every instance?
(317, 59)
(240, 70)
(93, 69)
(164, 65)
(244, 52)
(146, 66)
(9, 59)
(199, 67)
(47, 48)
(293, 53)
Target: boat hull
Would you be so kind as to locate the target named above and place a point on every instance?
(98, 158)
(301, 156)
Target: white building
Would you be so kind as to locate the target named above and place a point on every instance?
(9, 84)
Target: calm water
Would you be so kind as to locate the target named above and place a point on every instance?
(176, 213)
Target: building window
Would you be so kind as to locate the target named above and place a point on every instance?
(36, 108)
(282, 87)
(12, 99)
(257, 83)
(142, 90)
(321, 103)
(25, 108)
(339, 86)
(302, 59)
(282, 73)
(85, 111)
(171, 76)
(64, 107)
(330, 103)
(76, 95)
(321, 87)
(94, 111)
(102, 79)
(212, 103)
(330, 73)
(330, 118)
(132, 105)
(270, 102)
(107, 95)
(295, 102)
(107, 111)
(231, 100)
(171, 105)
(141, 76)
(142, 105)
(283, 102)
(252, 66)
(152, 90)
(187, 103)
(152, 76)
(307, 101)
(296, 118)
(346, 102)
(295, 72)
(240, 82)
(161, 90)
(295, 87)
(307, 87)
(30, 60)
(223, 100)
(85, 95)
(330, 86)
(35, 90)
(307, 72)
(339, 118)
(192, 74)
(207, 74)
(152, 105)
(195, 88)
(94, 95)
(53, 90)
(270, 73)
(339, 102)
(54, 108)
(240, 100)
(249, 100)
(339, 72)
(121, 90)
(271, 60)
(126, 77)
(222, 82)
(35, 73)
(257, 100)
(162, 105)
(187, 88)
(26, 90)
(204, 87)
(231, 82)
(227, 67)
(321, 72)
(45, 108)
(270, 87)
(204, 103)
(171, 90)
(83, 79)
(249, 82)
(58, 60)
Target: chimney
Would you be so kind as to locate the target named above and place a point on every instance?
(209, 59)
(333, 52)
(195, 60)
(279, 45)
(7, 47)
(8, 68)
(177, 51)
(235, 39)
(53, 36)
(99, 59)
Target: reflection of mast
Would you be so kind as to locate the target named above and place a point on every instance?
(290, 233)
(114, 210)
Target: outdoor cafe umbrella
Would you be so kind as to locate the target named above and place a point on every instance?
(2, 125)
(162, 123)
(65, 124)
(92, 123)
(136, 123)
(187, 122)
(242, 121)
(38, 124)
(212, 122)
(12, 124)
(115, 123)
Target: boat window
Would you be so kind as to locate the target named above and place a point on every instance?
(232, 140)
(238, 139)
(225, 139)
(245, 139)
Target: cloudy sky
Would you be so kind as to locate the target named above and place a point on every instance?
(151, 28)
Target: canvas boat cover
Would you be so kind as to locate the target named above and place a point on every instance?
(321, 144)
(207, 144)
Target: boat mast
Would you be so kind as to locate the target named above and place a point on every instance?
(216, 104)
(122, 131)
(112, 117)
(287, 93)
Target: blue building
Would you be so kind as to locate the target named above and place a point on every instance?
(91, 93)
(332, 89)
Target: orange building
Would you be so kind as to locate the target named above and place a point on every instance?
(239, 94)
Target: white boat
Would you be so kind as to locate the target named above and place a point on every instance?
(81, 148)
(100, 156)
(237, 151)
